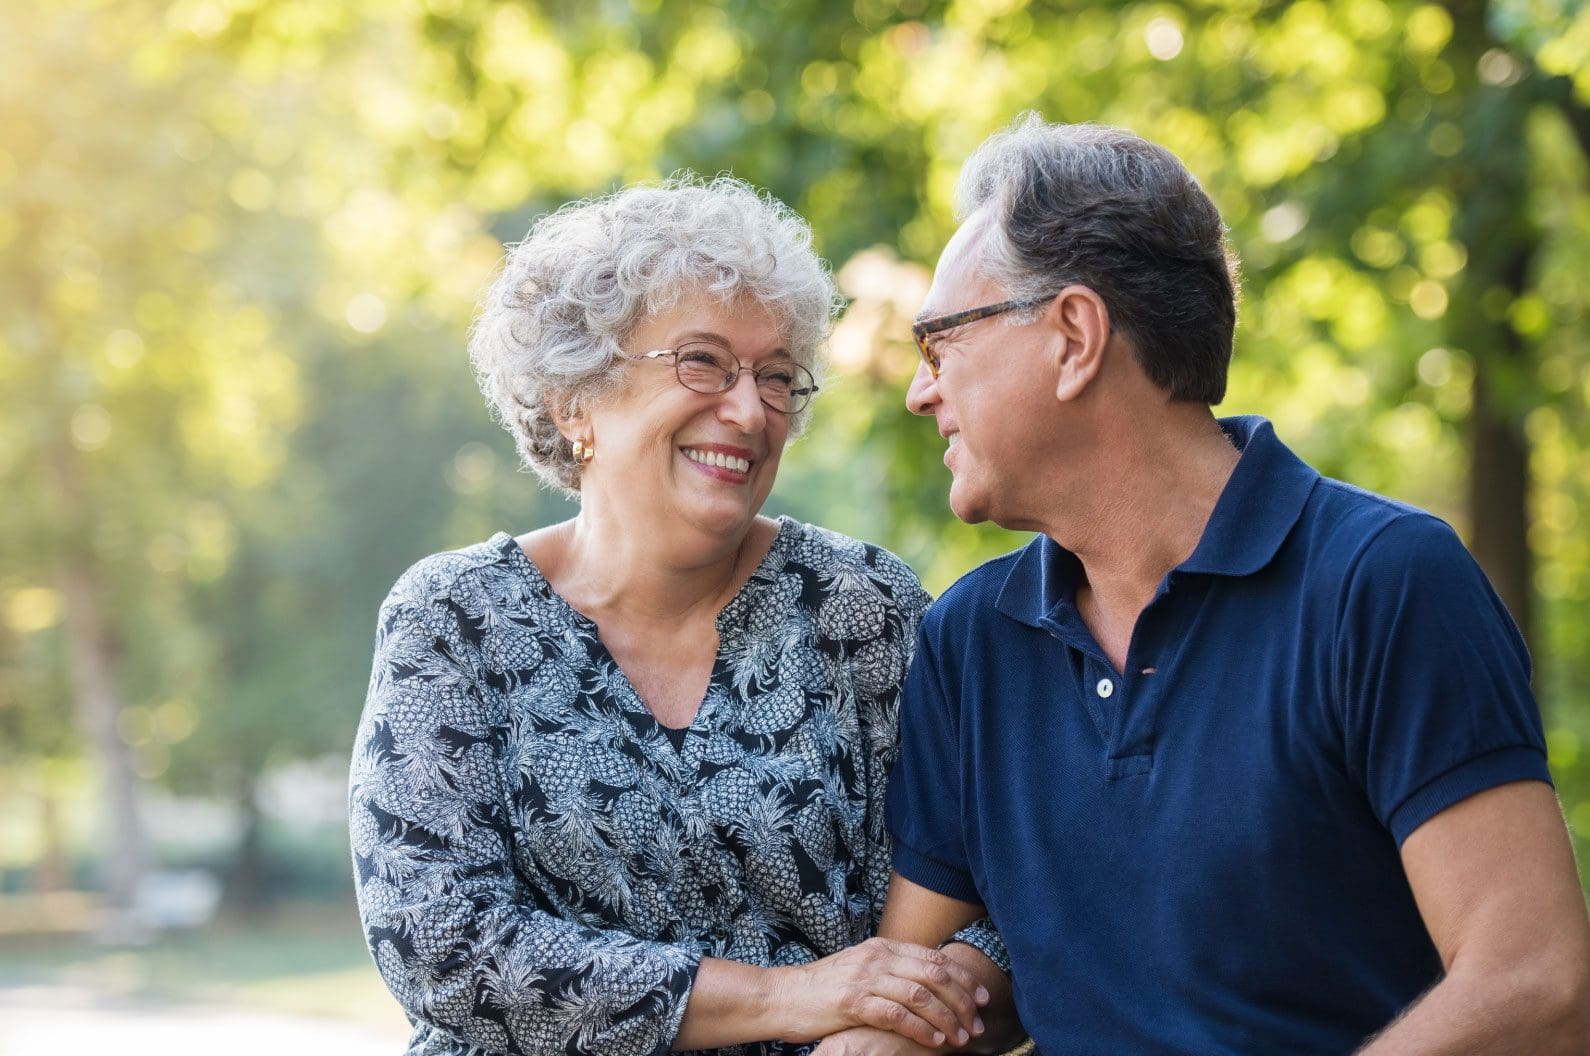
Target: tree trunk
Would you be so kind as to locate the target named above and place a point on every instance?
(96, 667)
(52, 876)
(247, 886)
(1498, 499)
(1489, 182)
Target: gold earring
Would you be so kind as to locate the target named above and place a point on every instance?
(583, 452)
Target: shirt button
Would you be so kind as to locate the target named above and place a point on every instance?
(1105, 687)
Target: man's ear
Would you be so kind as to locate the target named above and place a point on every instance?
(1080, 321)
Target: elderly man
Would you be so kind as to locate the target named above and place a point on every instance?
(1239, 759)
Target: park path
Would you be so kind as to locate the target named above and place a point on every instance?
(35, 1020)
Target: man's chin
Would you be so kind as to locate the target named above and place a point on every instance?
(979, 509)
(967, 508)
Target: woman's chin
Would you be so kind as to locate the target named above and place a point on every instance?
(721, 517)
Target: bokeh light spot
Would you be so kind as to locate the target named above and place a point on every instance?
(1435, 367)
(91, 426)
(366, 313)
(1164, 39)
(252, 190)
(1283, 221)
(1428, 299)
(33, 609)
(124, 349)
(1497, 67)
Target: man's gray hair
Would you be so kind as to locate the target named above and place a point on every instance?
(1103, 208)
(554, 321)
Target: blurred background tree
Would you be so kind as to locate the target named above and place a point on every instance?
(243, 239)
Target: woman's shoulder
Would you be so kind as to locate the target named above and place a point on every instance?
(449, 575)
(838, 557)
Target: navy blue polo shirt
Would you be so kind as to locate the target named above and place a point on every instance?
(1200, 853)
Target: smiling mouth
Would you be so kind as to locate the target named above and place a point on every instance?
(719, 459)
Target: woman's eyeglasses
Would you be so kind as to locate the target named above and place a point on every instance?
(784, 386)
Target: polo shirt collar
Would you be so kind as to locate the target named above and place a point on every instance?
(1255, 512)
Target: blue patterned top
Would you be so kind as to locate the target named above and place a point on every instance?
(540, 870)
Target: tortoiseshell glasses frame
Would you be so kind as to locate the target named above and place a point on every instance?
(926, 328)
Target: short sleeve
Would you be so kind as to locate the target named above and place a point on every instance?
(924, 808)
(1432, 678)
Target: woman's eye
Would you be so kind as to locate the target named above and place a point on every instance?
(696, 355)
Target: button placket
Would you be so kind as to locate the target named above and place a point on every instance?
(1132, 752)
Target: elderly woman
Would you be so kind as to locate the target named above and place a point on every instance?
(618, 786)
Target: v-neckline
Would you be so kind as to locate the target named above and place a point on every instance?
(630, 702)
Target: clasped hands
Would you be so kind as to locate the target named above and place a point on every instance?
(905, 993)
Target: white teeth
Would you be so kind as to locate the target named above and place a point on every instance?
(717, 458)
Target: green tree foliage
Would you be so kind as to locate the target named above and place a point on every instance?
(243, 238)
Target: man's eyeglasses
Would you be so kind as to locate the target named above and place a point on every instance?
(783, 386)
(927, 327)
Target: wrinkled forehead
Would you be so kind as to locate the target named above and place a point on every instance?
(737, 320)
(958, 280)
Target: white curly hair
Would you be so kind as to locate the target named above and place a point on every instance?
(553, 322)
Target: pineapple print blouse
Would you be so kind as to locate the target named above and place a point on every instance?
(540, 870)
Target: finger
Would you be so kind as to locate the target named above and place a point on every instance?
(966, 979)
(919, 998)
(952, 985)
(950, 981)
(958, 971)
(892, 1016)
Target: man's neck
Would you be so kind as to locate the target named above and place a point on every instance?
(1143, 509)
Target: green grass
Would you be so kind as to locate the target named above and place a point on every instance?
(308, 960)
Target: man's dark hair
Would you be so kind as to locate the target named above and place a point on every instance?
(1103, 208)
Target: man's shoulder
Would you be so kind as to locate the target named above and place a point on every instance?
(1361, 528)
(976, 594)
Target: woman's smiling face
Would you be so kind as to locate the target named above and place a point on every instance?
(668, 456)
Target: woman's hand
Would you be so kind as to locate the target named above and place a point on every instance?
(868, 1041)
(915, 992)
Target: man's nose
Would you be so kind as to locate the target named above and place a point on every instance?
(923, 393)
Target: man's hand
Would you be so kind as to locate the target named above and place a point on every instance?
(1495, 882)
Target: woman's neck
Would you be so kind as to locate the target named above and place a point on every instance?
(607, 567)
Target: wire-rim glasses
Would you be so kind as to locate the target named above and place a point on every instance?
(926, 328)
(784, 386)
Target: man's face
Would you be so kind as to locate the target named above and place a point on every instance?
(989, 400)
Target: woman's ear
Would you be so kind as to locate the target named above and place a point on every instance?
(569, 414)
(1081, 322)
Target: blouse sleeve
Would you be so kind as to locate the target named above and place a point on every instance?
(876, 669)
(883, 709)
(454, 929)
